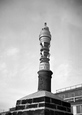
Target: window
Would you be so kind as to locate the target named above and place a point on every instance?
(62, 96)
(73, 110)
(78, 93)
(79, 108)
(71, 95)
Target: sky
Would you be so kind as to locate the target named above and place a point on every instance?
(20, 24)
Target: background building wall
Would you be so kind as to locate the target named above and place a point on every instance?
(74, 96)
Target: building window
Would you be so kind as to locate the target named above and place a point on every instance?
(79, 108)
(72, 109)
(78, 93)
(62, 96)
(71, 95)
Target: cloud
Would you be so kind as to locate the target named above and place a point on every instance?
(61, 76)
(12, 51)
(3, 70)
(78, 2)
(62, 72)
(2, 66)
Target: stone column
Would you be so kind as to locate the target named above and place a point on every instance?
(45, 74)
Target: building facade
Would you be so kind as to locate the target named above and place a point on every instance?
(73, 95)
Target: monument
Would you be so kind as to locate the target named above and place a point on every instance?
(44, 67)
(42, 102)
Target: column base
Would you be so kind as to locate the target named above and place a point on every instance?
(41, 103)
(44, 80)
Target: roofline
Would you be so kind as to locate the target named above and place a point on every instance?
(69, 88)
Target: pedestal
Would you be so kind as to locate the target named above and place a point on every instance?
(41, 103)
(44, 80)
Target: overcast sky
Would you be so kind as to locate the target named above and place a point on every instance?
(20, 24)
